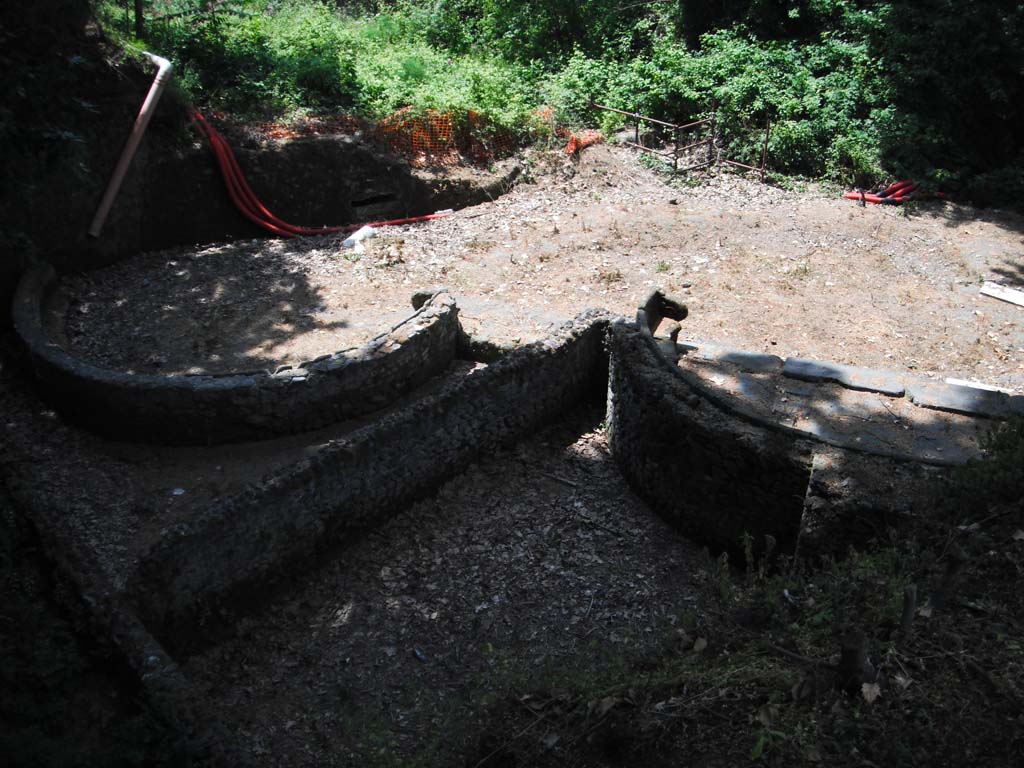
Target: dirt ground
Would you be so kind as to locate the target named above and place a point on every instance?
(536, 564)
(795, 272)
(538, 569)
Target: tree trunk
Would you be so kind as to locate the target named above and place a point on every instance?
(139, 22)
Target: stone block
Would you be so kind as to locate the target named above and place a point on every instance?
(749, 362)
(851, 377)
(957, 398)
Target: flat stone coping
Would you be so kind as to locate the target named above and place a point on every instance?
(871, 411)
(954, 397)
(865, 379)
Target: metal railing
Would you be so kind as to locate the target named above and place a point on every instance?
(711, 157)
(677, 133)
(763, 167)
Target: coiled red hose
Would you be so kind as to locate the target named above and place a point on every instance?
(894, 194)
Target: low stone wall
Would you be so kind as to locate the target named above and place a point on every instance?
(714, 475)
(99, 609)
(719, 469)
(235, 407)
(356, 483)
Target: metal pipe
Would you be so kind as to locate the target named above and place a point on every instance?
(633, 114)
(163, 74)
(695, 144)
(742, 165)
(651, 119)
(695, 122)
(642, 148)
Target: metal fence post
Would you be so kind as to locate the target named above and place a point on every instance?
(712, 158)
(764, 153)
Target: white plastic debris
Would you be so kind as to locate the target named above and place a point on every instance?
(363, 233)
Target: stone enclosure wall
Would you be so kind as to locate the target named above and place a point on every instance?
(716, 474)
(355, 483)
(713, 475)
(240, 406)
(173, 194)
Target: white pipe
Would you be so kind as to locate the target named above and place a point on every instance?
(163, 74)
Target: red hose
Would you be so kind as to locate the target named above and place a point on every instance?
(232, 186)
(246, 193)
(241, 193)
(410, 220)
(895, 187)
(250, 206)
(877, 199)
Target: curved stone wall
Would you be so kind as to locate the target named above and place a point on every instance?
(355, 483)
(719, 470)
(713, 475)
(207, 409)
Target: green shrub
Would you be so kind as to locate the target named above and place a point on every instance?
(856, 91)
(821, 98)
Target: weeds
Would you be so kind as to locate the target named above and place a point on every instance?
(260, 60)
(754, 678)
(847, 97)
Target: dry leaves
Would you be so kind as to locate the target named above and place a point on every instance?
(870, 692)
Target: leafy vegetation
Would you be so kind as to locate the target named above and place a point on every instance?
(856, 90)
(271, 59)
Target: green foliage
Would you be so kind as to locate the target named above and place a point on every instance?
(824, 99)
(958, 94)
(412, 73)
(296, 54)
(998, 480)
(267, 59)
(856, 90)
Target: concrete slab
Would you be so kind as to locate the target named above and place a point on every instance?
(865, 379)
(979, 385)
(843, 416)
(749, 362)
(960, 399)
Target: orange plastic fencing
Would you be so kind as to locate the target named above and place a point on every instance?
(430, 138)
(419, 135)
(584, 139)
(483, 142)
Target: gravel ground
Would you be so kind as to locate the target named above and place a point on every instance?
(763, 268)
(539, 561)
